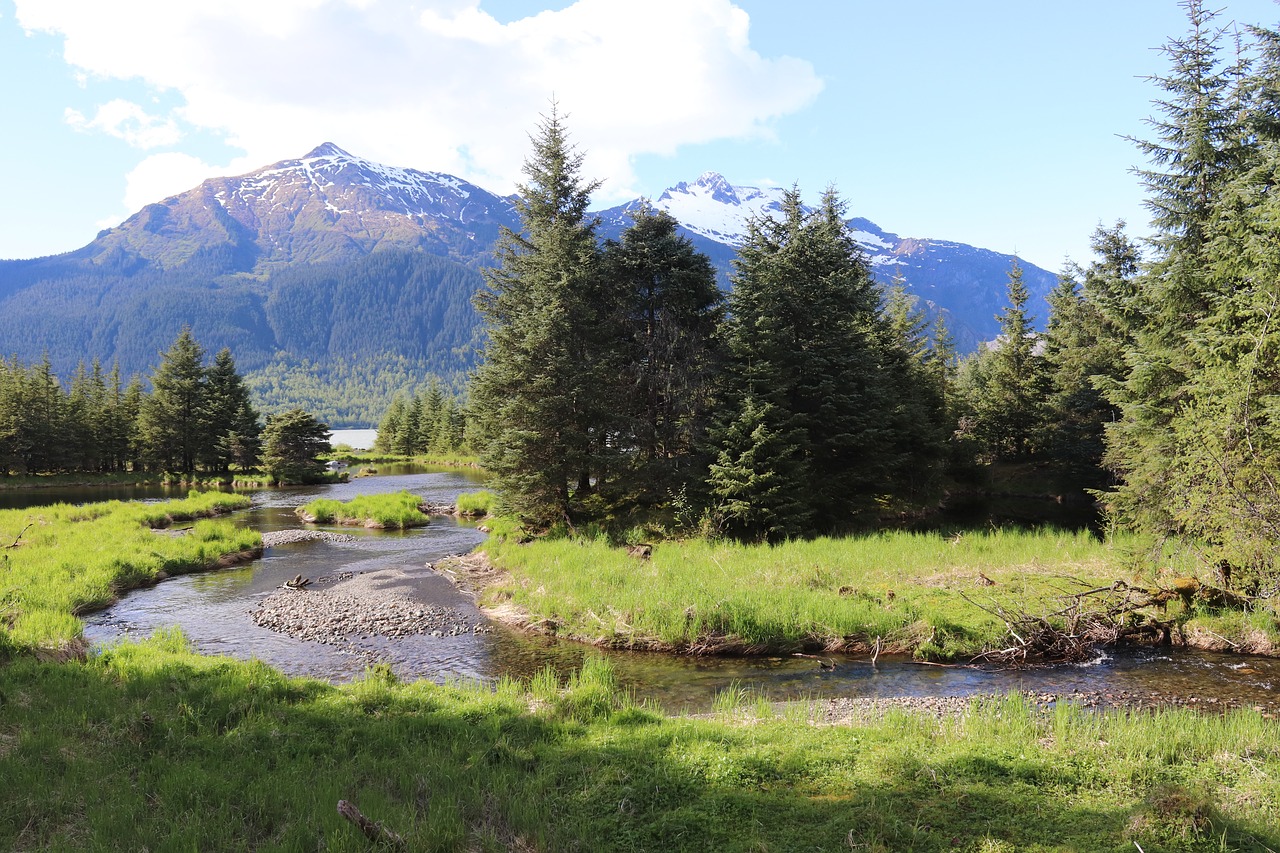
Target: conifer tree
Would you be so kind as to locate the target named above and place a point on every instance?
(671, 309)
(230, 418)
(1200, 144)
(806, 338)
(174, 423)
(292, 444)
(546, 393)
(1007, 408)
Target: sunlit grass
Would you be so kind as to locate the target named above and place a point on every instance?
(149, 745)
(396, 511)
(907, 589)
(61, 561)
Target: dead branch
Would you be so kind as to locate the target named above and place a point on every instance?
(18, 539)
(373, 830)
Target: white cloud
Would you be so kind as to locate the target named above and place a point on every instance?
(128, 121)
(449, 88)
(162, 175)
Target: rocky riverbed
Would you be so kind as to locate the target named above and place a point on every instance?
(348, 607)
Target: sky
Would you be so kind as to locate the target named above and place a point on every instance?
(999, 123)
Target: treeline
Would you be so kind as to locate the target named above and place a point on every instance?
(619, 380)
(1158, 379)
(195, 421)
(431, 422)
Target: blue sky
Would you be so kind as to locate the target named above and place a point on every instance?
(987, 122)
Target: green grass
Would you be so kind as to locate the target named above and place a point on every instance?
(476, 504)
(152, 746)
(66, 560)
(397, 511)
(904, 588)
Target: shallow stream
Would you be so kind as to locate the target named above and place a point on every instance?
(214, 611)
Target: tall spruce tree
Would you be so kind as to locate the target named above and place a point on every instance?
(174, 422)
(230, 418)
(1007, 404)
(807, 374)
(546, 392)
(1200, 144)
(671, 310)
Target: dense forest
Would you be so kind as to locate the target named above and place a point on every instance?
(196, 421)
(617, 381)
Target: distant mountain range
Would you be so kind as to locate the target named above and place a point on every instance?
(337, 281)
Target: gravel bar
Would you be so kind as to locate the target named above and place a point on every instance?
(288, 537)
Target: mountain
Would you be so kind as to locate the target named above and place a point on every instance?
(337, 281)
(965, 282)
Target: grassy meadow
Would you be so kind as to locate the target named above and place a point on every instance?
(937, 596)
(829, 594)
(150, 746)
(59, 561)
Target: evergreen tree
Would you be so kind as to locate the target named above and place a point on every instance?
(672, 309)
(1200, 145)
(1090, 326)
(292, 444)
(546, 392)
(806, 339)
(174, 426)
(758, 478)
(1007, 407)
(230, 418)
(390, 427)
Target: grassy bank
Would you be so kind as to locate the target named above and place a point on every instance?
(440, 460)
(907, 589)
(152, 746)
(941, 597)
(59, 561)
(395, 511)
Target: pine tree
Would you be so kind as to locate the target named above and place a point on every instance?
(174, 423)
(1090, 326)
(1007, 408)
(230, 418)
(293, 442)
(1200, 145)
(806, 339)
(546, 392)
(759, 478)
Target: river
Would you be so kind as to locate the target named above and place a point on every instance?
(214, 611)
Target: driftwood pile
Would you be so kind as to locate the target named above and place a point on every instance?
(1107, 615)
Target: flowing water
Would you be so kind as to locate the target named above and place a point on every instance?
(214, 611)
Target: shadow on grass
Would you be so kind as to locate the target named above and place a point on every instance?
(152, 746)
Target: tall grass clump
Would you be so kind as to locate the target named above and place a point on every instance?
(905, 590)
(396, 511)
(62, 561)
(476, 504)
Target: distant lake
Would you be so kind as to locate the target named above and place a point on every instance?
(359, 439)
